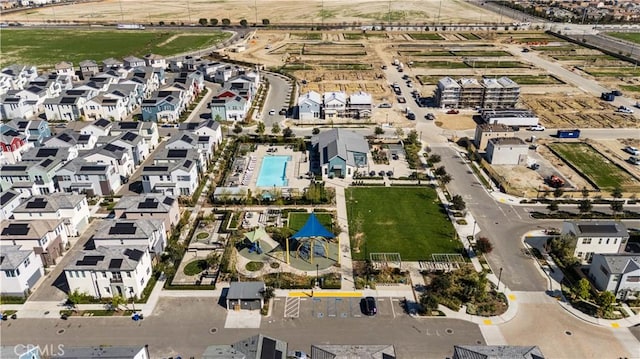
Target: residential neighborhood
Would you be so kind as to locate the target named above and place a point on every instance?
(342, 189)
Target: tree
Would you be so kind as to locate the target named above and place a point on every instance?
(483, 245)
(287, 132)
(585, 192)
(617, 192)
(226, 22)
(445, 178)
(213, 22)
(378, 131)
(558, 192)
(265, 22)
(553, 206)
(583, 289)
(585, 206)
(275, 129)
(457, 203)
(429, 303)
(563, 247)
(606, 300)
(237, 129)
(268, 293)
(617, 206)
(202, 22)
(440, 171)
(213, 259)
(434, 158)
(243, 23)
(315, 131)
(76, 297)
(261, 128)
(117, 301)
(399, 132)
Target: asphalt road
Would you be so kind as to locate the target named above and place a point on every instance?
(183, 326)
(277, 99)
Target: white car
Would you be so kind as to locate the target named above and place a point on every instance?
(625, 109)
(632, 150)
(272, 112)
(537, 128)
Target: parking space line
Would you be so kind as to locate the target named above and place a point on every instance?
(392, 310)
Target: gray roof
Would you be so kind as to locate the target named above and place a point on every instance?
(152, 202)
(82, 166)
(341, 143)
(334, 351)
(117, 258)
(496, 352)
(104, 351)
(245, 290)
(12, 256)
(127, 229)
(617, 263)
(507, 141)
(49, 203)
(222, 352)
(599, 229)
(27, 230)
(262, 347)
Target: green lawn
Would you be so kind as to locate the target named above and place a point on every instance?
(426, 36)
(593, 165)
(628, 36)
(632, 88)
(47, 47)
(409, 221)
(496, 64)
(441, 64)
(488, 53)
(533, 79)
(298, 219)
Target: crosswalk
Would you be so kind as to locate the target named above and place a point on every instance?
(292, 307)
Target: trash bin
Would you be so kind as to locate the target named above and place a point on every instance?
(135, 317)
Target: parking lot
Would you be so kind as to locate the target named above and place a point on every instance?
(335, 308)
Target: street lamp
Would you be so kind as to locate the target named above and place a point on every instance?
(473, 232)
(499, 277)
(317, 276)
(133, 301)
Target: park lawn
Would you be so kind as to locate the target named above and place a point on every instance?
(409, 221)
(488, 53)
(441, 64)
(632, 88)
(593, 165)
(532, 79)
(628, 36)
(497, 64)
(426, 36)
(298, 219)
(47, 47)
(612, 71)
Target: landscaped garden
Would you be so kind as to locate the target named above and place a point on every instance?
(409, 221)
(196, 267)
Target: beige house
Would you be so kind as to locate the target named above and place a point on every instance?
(485, 132)
(149, 206)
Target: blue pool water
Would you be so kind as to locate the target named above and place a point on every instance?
(273, 171)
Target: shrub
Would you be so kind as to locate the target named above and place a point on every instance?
(195, 267)
(254, 266)
(483, 245)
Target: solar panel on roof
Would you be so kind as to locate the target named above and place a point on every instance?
(67, 100)
(65, 137)
(112, 148)
(129, 136)
(168, 201)
(6, 197)
(177, 153)
(187, 163)
(37, 203)
(102, 122)
(46, 162)
(148, 203)
(16, 229)
(134, 254)
(598, 228)
(14, 168)
(155, 168)
(23, 124)
(123, 228)
(89, 260)
(47, 152)
(187, 139)
(128, 125)
(115, 263)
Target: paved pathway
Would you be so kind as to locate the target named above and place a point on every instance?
(344, 244)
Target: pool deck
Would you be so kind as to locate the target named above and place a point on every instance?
(295, 167)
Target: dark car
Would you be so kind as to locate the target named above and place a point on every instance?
(283, 111)
(381, 173)
(616, 93)
(389, 173)
(368, 305)
(372, 173)
(453, 112)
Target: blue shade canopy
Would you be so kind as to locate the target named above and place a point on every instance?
(313, 228)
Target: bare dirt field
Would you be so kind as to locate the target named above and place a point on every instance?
(277, 11)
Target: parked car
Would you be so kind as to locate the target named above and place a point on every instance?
(538, 128)
(453, 112)
(272, 112)
(389, 173)
(381, 173)
(401, 99)
(384, 67)
(624, 109)
(283, 111)
(372, 173)
(411, 116)
(525, 50)
(632, 150)
(394, 156)
(616, 93)
(368, 305)
(405, 77)
(430, 116)
(634, 160)
(534, 166)
(384, 105)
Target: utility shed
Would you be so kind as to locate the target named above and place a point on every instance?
(245, 295)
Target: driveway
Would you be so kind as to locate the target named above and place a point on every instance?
(278, 98)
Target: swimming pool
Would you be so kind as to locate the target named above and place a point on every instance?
(273, 171)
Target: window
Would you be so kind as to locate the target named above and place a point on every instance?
(586, 241)
(142, 281)
(600, 241)
(10, 273)
(107, 289)
(18, 271)
(608, 240)
(633, 278)
(128, 274)
(616, 277)
(148, 270)
(184, 178)
(83, 275)
(104, 274)
(145, 178)
(70, 273)
(26, 262)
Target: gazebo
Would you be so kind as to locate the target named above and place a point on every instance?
(260, 235)
(311, 232)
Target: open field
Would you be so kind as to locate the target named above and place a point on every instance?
(593, 165)
(411, 222)
(628, 36)
(277, 11)
(47, 47)
(520, 79)
(298, 219)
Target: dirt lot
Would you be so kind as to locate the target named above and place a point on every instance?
(277, 11)
(580, 111)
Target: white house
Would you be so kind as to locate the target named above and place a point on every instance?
(129, 232)
(210, 128)
(20, 270)
(107, 271)
(100, 127)
(204, 144)
(360, 105)
(112, 108)
(65, 68)
(309, 106)
(335, 104)
(72, 208)
(175, 179)
(46, 237)
(132, 61)
(154, 60)
(135, 144)
(617, 273)
(118, 157)
(9, 200)
(149, 206)
(507, 151)
(596, 237)
(64, 108)
(93, 179)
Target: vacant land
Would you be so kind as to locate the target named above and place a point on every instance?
(297, 220)
(48, 47)
(409, 221)
(628, 36)
(593, 165)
